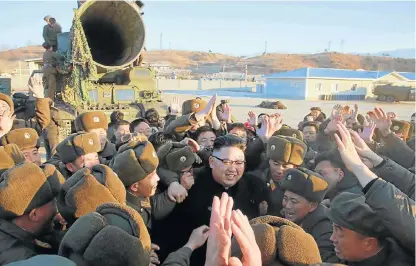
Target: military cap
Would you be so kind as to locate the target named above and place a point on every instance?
(24, 138)
(351, 211)
(289, 132)
(87, 189)
(315, 108)
(286, 149)
(8, 100)
(91, 239)
(39, 189)
(193, 106)
(91, 120)
(305, 183)
(10, 155)
(176, 156)
(400, 127)
(76, 145)
(281, 242)
(134, 162)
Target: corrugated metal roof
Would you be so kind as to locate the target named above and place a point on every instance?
(336, 73)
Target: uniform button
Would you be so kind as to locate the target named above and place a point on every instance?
(141, 209)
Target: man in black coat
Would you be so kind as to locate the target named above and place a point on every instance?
(224, 174)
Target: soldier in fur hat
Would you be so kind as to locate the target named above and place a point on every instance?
(26, 214)
(77, 151)
(282, 153)
(304, 190)
(316, 114)
(96, 122)
(27, 140)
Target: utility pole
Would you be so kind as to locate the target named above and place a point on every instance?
(342, 46)
(169, 49)
(223, 70)
(245, 77)
(329, 46)
(161, 41)
(265, 47)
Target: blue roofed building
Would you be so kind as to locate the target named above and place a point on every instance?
(337, 84)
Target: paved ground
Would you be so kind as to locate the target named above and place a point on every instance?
(296, 109)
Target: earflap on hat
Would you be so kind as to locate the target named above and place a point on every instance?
(176, 156)
(296, 247)
(91, 239)
(54, 177)
(75, 198)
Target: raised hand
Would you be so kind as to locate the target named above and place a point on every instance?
(336, 110)
(276, 121)
(6, 121)
(346, 148)
(252, 121)
(246, 239)
(219, 238)
(35, 86)
(368, 130)
(175, 105)
(332, 125)
(204, 113)
(226, 115)
(382, 120)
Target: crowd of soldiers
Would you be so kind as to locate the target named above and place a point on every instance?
(197, 188)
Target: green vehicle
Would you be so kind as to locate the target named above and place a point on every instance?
(103, 68)
(390, 93)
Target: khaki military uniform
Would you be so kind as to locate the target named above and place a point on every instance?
(50, 34)
(50, 61)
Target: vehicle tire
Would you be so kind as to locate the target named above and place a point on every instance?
(390, 99)
(381, 98)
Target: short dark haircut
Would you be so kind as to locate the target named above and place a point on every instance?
(121, 123)
(136, 122)
(201, 130)
(414, 114)
(262, 114)
(229, 141)
(116, 116)
(160, 138)
(152, 115)
(46, 46)
(332, 156)
(237, 126)
(310, 124)
(52, 20)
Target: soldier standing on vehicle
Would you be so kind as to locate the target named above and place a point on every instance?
(50, 61)
(51, 31)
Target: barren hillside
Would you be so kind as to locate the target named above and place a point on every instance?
(204, 62)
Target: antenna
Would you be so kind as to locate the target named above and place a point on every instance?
(161, 41)
(342, 46)
(329, 46)
(265, 47)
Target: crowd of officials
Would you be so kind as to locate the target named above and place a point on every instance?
(196, 187)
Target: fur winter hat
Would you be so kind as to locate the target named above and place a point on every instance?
(91, 120)
(8, 100)
(113, 235)
(176, 156)
(76, 145)
(10, 155)
(289, 132)
(281, 242)
(193, 106)
(40, 187)
(135, 161)
(305, 183)
(87, 189)
(286, 150)
(24, 138)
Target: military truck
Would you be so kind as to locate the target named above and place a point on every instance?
(391, 93)
(103, 67)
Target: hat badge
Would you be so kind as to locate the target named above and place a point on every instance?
(273, 147)
(289, 177)
(294, 135)
(196, 105)
(182, 159)
(96, 119)
(90, 141)
(396, 127)
(27, 135)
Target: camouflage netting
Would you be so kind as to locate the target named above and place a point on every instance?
(79, 68)
(272, 105)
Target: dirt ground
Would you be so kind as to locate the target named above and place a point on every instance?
(297, 109)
